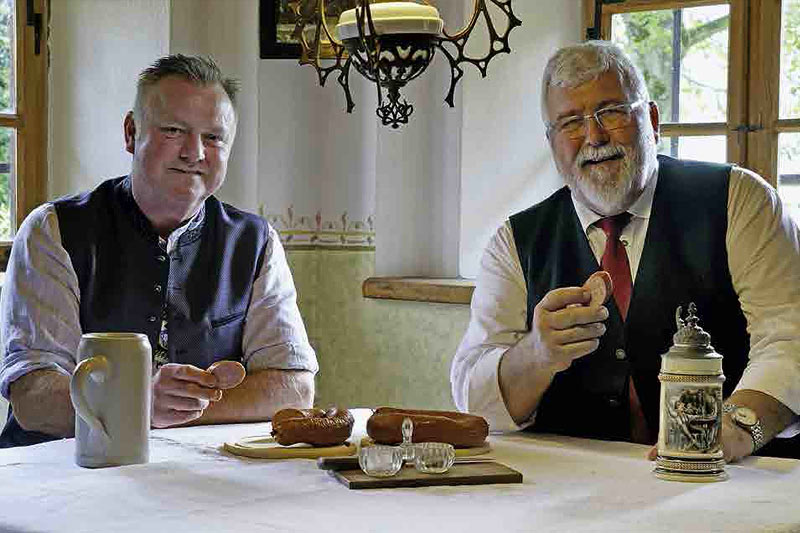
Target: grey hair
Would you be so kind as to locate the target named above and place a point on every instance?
(577, 64)
(195, 69)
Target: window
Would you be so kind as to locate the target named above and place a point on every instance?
(23, 101)
(726, 77)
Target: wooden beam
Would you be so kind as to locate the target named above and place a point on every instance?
(442, 290)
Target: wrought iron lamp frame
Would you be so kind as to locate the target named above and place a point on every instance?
(366, 56)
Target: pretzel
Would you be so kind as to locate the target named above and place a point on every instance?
(462, 430)
(312, 426)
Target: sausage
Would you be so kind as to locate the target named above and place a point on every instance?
(312, 426)
(601, 287)
(462, 430)
(228, 373)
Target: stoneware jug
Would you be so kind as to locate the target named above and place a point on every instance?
(110, 389)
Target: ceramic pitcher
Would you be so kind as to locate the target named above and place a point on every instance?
(110, 389)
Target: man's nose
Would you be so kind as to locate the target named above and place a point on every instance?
(192, 149)
(596, 135)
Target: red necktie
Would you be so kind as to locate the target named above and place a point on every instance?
(615, 262)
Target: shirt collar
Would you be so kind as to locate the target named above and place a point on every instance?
(193, 224)
(640, 209)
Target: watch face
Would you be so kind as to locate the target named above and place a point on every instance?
(745, 416)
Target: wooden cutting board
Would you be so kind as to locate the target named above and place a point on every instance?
(265, 447)
(460, 474)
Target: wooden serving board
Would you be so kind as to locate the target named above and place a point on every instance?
(460, 474)
(265, 447)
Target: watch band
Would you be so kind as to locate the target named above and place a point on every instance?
(756, 431)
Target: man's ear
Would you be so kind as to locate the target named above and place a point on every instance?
(654, 120)
(129, 127)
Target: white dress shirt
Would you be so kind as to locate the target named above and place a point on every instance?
(763, 245)
(40, 303)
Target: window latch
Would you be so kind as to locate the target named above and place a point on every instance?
(35, 19)
(748, 128)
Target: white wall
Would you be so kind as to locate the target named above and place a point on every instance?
(506, 164)
(228, 31)
(97, 48)
(418, 175)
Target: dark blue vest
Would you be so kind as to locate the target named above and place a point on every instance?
(124, 277)
(684, 260)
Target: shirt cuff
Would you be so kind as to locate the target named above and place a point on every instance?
(485, 397)
(774, 378)
(12, 372)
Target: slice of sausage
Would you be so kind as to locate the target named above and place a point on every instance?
(601, 287)
(228, 373)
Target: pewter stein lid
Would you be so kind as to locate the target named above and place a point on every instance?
(691, 341)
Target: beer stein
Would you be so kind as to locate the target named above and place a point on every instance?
(110, 389)
(690, 425)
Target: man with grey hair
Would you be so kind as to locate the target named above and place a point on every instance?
(155, 252)
(539, 354)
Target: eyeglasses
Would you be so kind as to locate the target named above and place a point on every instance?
(609, 118)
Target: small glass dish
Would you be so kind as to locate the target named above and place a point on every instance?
(380, 460)
(434, 457)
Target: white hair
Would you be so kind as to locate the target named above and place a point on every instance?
(577, 64)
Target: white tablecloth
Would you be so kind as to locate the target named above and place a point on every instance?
(191, 486)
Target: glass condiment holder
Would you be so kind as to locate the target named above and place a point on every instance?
(380, 460)
(434, 457)
(408, 447)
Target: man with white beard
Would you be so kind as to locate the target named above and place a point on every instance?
(538, 356)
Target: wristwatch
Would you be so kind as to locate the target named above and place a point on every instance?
(747, 419)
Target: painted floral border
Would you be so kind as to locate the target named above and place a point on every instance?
(304, 231)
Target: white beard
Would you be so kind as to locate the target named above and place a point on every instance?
(610, 192)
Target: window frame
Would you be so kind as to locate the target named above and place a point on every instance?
(754, 35)
(30, 118)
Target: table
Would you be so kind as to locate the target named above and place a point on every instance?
(191, 485)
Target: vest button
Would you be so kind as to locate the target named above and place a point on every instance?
(161, 258)
(152, 318)
(613, 402)
(157, 287)
(620, 354)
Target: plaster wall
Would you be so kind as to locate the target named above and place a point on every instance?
(97, 48)
(506, 164)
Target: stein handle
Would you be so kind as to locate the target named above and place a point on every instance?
(97, 369)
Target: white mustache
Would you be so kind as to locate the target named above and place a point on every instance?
(591, 153)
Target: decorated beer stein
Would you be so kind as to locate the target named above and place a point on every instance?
(690, 420)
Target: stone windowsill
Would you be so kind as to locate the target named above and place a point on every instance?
(441, 290)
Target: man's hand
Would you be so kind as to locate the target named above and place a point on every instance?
(737, 443)
(181, 393)
(564, 328)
